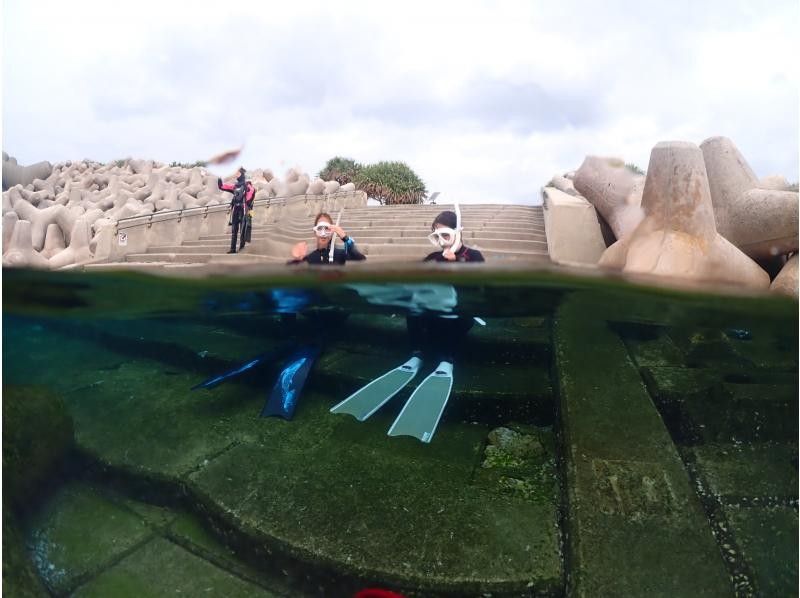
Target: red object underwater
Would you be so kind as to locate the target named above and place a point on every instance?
(377, 593)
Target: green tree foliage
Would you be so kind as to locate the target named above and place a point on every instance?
(635, 169)
(340, 169)
(199, 163)
(391, 183)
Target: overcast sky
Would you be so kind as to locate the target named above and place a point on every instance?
(484, 100)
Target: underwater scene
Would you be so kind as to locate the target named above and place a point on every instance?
(447, 433)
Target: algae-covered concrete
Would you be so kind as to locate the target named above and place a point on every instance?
(634, 524)
(88, 541)
(687, 490)
(20, 579)
(160, 568)
(37, 434)
(327, 499)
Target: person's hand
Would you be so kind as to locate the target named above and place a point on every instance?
(449, 255)
(338, 230)
(299, 250)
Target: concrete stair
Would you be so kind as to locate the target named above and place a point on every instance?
(383, 234)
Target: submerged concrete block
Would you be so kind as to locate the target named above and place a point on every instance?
(635, 526)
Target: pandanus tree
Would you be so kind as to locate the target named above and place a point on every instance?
(343, 170)
(391, 183)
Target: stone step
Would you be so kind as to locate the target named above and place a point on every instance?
(299, 234)
(426, 223)
(449, 206)
(421, 223)
(370, 236)
(186, 249)
(195, 258)
(221, 245)
(701, 406)
(122, 266)
(433, 210)
(371, 249)
(751, 491)
(408, 228)
(476, 237)
(377, 253)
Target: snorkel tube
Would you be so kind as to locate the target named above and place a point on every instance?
(333, 237)
(457, 241)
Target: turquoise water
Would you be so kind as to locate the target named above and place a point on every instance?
(564, 369)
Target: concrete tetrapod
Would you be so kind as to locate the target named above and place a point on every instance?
(614, 190)
(78, 250)
(53, 241)
(21, 253)
(14, 174)
(40, 219)
(564, 185)
(316, 187)
(761, 222)
(786, 280)
(10, 220)
(678, 236)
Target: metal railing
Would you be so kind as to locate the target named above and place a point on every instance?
(167, 215)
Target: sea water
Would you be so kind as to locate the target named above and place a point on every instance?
(167, 488)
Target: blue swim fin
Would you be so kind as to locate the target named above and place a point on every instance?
(248, 365)
(283, 398)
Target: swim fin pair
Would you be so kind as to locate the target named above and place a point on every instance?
(421, 414)
(283, 397)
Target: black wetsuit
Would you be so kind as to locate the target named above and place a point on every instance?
(340, 256)
(241, 202)
(465, 254)
(439, 336)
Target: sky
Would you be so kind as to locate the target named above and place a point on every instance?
(485, 101)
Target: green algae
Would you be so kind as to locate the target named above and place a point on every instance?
(37, 434)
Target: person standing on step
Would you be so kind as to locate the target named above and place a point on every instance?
(324, 229)
(241, 206)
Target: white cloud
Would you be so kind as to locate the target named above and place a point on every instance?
(485, 101)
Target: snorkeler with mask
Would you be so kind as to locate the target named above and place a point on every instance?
(435, 333)
(324, 231)
(446, 234)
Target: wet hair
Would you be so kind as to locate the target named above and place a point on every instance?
(446, 218)
(322, 215)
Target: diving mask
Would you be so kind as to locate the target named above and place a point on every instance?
(322, 230)
(443, 237)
